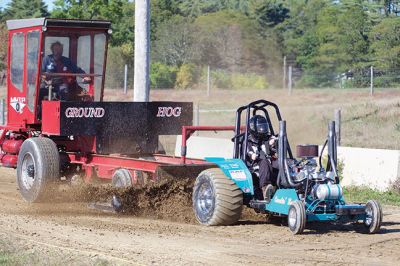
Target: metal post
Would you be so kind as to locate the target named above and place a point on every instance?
(126, 78)
(2, 111)
(197, 116)
(50, 96)
(208, 80)
(290, 80)
(142, 51)
(372, 81)
(338, 125)
(332, 149)
(284, 72)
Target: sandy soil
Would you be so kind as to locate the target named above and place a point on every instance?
(69, 232)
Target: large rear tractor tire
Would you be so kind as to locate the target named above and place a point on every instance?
(373, 220)
(297, 217)
(217, 200)
(38, 166)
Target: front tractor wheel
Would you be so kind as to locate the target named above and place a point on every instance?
(373, 219)
(297, 217)
(217, 200)
(38, 166)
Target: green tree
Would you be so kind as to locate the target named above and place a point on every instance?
(385, 45)
(187, 76)
(327, 38)
(120, 12)
(2, 14)
(18, 9)
(162, 76)
(353, 42)
(117, 57)
(231, 41)
(175, 44)
(269, 13)
(161, 11)
(242, 6)
(299, 34)
(3, 46)
(196, 8)
(326, 62)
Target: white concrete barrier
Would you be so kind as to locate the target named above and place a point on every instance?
(374, 168)
(201, 147)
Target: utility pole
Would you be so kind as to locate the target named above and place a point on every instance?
(141, 86)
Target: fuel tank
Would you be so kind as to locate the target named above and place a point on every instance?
(12, 146)
(9, 160)
(328, 191)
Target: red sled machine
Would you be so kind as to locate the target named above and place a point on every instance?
(57, 123)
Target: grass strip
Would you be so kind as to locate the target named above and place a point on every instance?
(363, 194)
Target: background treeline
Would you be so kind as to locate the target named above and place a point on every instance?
(244, 41)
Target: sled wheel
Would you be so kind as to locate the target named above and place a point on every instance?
(373, 219)
(38, 166)
(121, 178)
(297, 217)
(217, 200)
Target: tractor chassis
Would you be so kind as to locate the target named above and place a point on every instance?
(315, 210)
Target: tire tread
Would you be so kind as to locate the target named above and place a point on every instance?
(228, 199)
(47, 160)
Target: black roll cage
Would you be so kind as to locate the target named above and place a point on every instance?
(284, 151)
(242, 138)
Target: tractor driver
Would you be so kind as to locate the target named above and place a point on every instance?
(261, 157)
(57, 63)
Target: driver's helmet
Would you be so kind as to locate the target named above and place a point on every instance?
(259, 126)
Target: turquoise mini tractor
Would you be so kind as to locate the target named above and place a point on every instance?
(306, 188)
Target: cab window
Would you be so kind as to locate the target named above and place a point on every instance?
(99, 52)
(83, 59)
(32, 66)
(17, 60)
(52, 39)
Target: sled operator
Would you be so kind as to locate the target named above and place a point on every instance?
(57, 63)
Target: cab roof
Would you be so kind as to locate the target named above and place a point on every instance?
(55, 22)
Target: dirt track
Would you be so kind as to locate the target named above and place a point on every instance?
(71, 233)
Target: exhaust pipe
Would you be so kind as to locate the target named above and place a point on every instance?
(332, 150)
(284, 177)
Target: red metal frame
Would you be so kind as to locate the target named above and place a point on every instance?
(103, 166)
(187, 131)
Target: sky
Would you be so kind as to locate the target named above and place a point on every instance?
(49, 3)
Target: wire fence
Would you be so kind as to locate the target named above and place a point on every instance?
(289, 78)
(371, 77)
